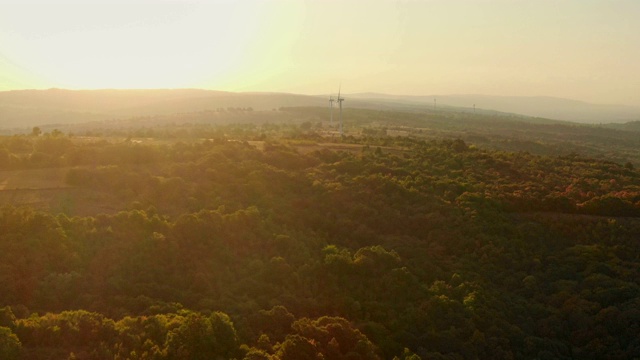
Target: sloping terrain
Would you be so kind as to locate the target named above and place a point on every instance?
(27, 108)
(416, 249)
(535, 106)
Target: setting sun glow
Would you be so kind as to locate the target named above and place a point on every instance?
(573, 49)
(139, 46)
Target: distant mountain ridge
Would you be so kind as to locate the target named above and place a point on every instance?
(22, 108)
(537, 106)
(25, 108)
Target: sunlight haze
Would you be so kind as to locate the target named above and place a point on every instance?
(584, 50)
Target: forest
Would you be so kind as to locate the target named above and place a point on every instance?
(432, 236)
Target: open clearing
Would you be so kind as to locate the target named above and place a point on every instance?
(45, 189)
(36, 179)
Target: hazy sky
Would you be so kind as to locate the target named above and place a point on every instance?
(580, 49)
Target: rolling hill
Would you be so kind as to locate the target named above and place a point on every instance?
(27, 108)
(536, 106)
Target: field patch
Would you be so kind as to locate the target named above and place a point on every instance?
(34, 179)
(46, 190)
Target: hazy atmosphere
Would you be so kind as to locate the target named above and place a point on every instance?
(583, 50)
(183, 180)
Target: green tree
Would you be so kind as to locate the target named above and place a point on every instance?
(296, 347)
(336, 338)
(7, 318)
(226, 339)
(10, 347)
(203, 338)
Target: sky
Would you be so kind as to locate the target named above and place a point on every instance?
(578, 49)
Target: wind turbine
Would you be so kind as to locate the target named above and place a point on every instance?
(340, 100)
(331, 100)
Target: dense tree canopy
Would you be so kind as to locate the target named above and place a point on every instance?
(411, 248)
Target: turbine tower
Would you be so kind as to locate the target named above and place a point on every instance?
(331, 100)
(340, 100)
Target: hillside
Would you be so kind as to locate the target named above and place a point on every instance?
(490, 130)
(540, 106)
(27, 108)
(300, 245)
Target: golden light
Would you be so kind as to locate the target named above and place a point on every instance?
(167, 45)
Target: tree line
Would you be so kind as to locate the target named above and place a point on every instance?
(417, 250)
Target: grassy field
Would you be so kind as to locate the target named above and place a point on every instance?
(67, 200)
(34, 179)
(45, 189)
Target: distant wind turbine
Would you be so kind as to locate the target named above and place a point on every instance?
(340, 100)
(331, 100)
